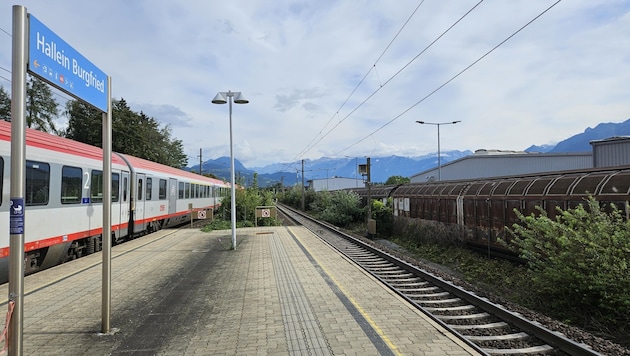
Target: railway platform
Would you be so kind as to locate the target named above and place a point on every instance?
(282, 291)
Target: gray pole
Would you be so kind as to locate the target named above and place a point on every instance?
(222, 98)
(107, 213)
(18, 176)
(356, 171)
(439, 156)
(233, 185)
(438, 132)
(303, 185)
(369, 184)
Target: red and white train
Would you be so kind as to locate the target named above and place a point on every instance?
(63, 200)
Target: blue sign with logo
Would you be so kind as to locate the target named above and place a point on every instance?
(16, 216)
(53, 60)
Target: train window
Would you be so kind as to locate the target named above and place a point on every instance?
(115, 187)
(125, 185)
(71, 188)
(139, 189)
(37, 183)
(187, 191)
(149, 187)
(162, 193)
(181, 190)
(96, 186)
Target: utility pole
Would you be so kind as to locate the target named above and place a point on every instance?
(303, 185)
(369, 184)
(200, 161)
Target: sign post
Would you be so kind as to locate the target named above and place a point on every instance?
(38, 50)
(18, 182)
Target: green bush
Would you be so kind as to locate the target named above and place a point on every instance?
(579, 262)
(339, 208)
(384, 217)
(293, 197)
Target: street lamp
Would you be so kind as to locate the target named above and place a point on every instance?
(438, 129)
(222, 98)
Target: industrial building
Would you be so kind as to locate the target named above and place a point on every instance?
(496, 163)
(610, 152)
(335, 183)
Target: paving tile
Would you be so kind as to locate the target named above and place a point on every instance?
(185, 292)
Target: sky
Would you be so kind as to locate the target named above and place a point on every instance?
(349, 78)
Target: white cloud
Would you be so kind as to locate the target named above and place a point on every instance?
(298, 61)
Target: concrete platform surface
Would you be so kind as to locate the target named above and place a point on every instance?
(186, 292)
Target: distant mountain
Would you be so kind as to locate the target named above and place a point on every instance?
(289, 174)
(580, 142)
(540, 149)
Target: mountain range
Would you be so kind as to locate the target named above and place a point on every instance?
(288, 174)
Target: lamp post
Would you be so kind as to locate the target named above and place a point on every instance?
(222, 98)
(438, 129)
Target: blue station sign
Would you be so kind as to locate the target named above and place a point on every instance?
(53, 60)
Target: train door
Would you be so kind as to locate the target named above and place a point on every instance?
(172, 196)
(139, 217)
(125, 204)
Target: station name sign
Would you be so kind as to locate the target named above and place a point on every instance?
(56, 62)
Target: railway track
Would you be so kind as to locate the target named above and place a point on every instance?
(488, 327)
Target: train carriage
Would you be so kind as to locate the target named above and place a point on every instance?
(63, 198)
(486, 206)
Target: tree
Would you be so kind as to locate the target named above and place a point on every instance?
(133, 133)
(41, 107)
(5, 105)
(397, 180)
(84, 123)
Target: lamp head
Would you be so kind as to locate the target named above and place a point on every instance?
(240, 99)
(219, 99)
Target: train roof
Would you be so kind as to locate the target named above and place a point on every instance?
(157, 167)
(43, 140)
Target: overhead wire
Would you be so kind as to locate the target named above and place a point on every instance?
(308, 146)
(390, 78)
(451, 79)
